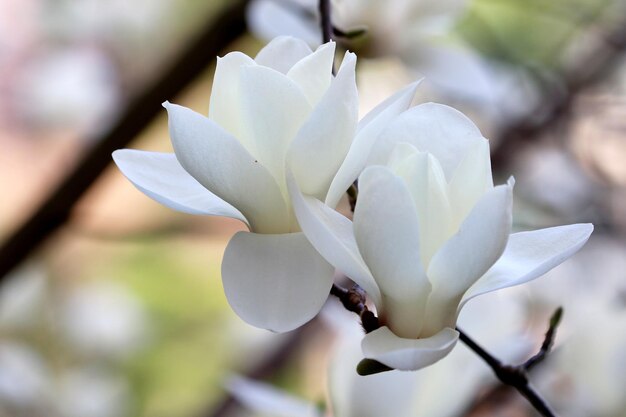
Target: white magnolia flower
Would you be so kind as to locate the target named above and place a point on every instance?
(281, 108)
(430, 233)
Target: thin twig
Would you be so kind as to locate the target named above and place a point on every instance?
(354, 300)
(514, 376)
(325, 20)
(548, 341)
(56, 209)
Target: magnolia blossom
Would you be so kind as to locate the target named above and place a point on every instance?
(281, 109)
(430, 233)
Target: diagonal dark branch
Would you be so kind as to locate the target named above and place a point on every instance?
(56, 210)
(515, 376)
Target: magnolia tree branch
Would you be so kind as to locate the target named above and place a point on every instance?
(219, 31)
(325, 20)
(516, 376)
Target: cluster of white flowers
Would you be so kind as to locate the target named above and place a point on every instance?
(279, 148)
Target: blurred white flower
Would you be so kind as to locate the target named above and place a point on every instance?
(420, 34)
(75, 89)
(281, 109)
(24, 379)
(103, 319)
(392, 26)
(586, 372)
(430, 233)
(23, 297)
(92, 392)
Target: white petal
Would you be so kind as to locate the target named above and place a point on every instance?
(471, 179)
(408, 354)
(273, 109)
(441, 130)
(323, 141)
(162, 178)
(275, 282)
(427, 183)
(314, 73)
(218, 162)
(332, 235)
(267, 400)
(282, 53)
(387, 233)
(467, 255)
(529, 255)
(224, 107)
(367, 132)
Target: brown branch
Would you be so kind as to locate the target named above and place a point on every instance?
(325, 20)
(56, 210)
(548, 341)
(515, 376)
(354, 300)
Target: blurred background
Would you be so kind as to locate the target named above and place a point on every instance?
(120, 311)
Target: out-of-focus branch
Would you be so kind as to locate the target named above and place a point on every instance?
(593, 69)
(56, 209)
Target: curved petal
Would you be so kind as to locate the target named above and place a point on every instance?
(467, 255)
(314, 73)
(441, 130)
(275, 282)
(162, 178)
(408, 354)
(367, 132)
(323, 141)
(224, 106)
(470, 180)
(282, 53)
(222, 165)
(427, 184)
(332, 235)
(387, 233)
(273, 110)
(529, 255)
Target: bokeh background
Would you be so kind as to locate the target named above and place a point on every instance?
(120, 312)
